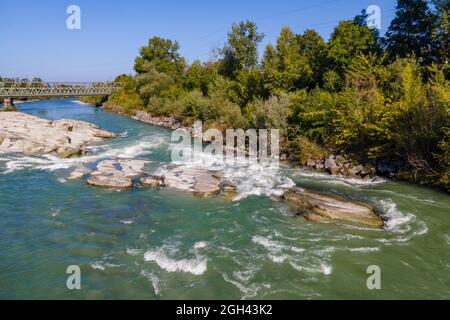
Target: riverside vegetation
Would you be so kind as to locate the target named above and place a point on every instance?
(381, 101)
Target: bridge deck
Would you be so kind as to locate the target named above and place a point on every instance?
(19, 89)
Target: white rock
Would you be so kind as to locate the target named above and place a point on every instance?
(23, 133)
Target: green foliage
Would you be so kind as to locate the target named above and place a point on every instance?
(411, 31)
(348, 40)
(285, 67)
(249, 85)
(241, 50)
(272, 113)
(163, 54)
(199, 76)
(8, 109)
(127, 98)
(346, 94)
(302, 149)
(442, 33)
(95, 100)
(311, 114)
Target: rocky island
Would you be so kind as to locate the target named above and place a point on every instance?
(22, 133)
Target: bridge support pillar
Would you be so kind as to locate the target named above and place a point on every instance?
(8, 102)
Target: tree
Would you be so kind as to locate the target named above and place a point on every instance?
(199, 76)
(411, 31)
(313, 47)
(348, 40)
(152, 83)
(164, 56)
(241, 50)
(442, 34)
(127, 97)
(285, 67)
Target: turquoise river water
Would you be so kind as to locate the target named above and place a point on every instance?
(166, 244)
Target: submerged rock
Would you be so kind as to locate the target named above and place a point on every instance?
(317, 207)
(23, 133)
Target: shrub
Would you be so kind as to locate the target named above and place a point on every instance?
(302, 149)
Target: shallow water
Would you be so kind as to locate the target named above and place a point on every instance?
(167, 244)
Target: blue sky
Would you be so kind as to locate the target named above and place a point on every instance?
(34, 40)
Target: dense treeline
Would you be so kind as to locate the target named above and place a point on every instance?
(369, 96)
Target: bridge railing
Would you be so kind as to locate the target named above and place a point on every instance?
(22, 89)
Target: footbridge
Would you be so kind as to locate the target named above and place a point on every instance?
(10, 90)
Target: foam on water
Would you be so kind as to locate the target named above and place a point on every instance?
(133, 252)
(200, 245)
(80, 102)
(51, 162)
(248, 290)
(197, 266)
(154, 280)
(336, 179)
(250, 178)
(127, 221)
(364, 249)
(398, 221)
(313, 260)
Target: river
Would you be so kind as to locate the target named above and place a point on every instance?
(148, 243)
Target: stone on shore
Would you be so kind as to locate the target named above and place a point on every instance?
(23, 133)
(317, 207)
(331, 166)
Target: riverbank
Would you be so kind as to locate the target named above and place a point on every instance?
(66, 138)
(163, 243)
(338, 165)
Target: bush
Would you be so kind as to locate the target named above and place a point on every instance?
(303, 149)
(8, 109)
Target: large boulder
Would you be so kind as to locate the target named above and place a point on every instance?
(200, 181)
(110, 180)
(331, 166)
(79, 172)
(116, 173)
(318, 207)
(151, 181)
(23, 133)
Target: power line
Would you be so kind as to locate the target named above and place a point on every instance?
(201, 49)
(275, 15)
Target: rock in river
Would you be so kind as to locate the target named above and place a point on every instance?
(200, 181)
(23, 133)
(317, 207)
(151, 181)
(116, 173)
(79, 172)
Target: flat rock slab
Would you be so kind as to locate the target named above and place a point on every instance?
(116, 173)
(79, 172)
(317, 207)
(198, 180)
(23, 133)
(151, 181)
